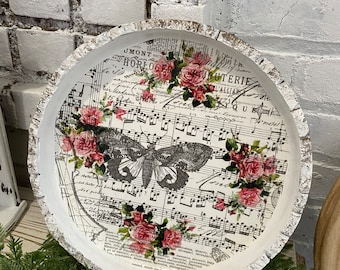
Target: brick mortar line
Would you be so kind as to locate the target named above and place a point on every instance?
(51, 25)
(14, 50)
(76, 23)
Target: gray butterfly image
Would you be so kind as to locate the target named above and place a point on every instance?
(169, 165)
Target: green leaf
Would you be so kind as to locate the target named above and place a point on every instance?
(78, 163)
(186, 95)
(232, 168)
(233, 185)
(50, 256)
(148, 216)
(189, 52)
(170, 87)
(274, 176)
(231, 144)
(184, 47)
(210, 102)
(226, 157)
(127, 209)
(15, 246)
(140, 208)
(123, 230)
(165, 251)
(213, 71)
(165, 222)
(256, 144)
(181, 65)
(170, 56)
(150, 253)
(215, 78)
(2, 237)
(260, 150)
(195, 103)
(100, 170)
(127, 235)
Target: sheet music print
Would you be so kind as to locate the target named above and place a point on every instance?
(244, 110)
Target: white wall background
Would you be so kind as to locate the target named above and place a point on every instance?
(300, 37)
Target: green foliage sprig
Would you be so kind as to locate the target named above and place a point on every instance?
(50, 256)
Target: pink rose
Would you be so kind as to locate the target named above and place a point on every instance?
(91, 116)
(192, 76)
(163, 69)
(211, 88)
(139, 247)
(172, 239)
(237, 157)
(97, 157)
(270, 165)
(67, 145)
(199, 58)
(144, 232)
(253, 167)
(88, 163)
(137, 217)
(249, 197)
(68, 141)
(242, 170)
(191, 228)
(147, 95)
(119, 113)
(85, 143)
(220, 205)
(244, 147)
(198, 94)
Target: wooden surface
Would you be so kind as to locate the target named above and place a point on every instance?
(327, 233)
(31, 228)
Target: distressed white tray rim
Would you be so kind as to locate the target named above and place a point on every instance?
(270, 247)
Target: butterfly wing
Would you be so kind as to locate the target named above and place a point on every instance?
(187, 156)
(176, 161)
(126, 170)
(126, 155)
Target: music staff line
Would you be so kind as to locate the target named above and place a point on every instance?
(212, 129)
(211, 230)
(195, 198)
(217, 153)
(209, 128)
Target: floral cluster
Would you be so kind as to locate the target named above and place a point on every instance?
(189, 72)
(255, 176)
(80, 136)
(148, 237)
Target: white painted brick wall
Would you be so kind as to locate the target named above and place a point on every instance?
(108, 12)
(179, 12)
(42, 50)
(325, 130)
(180, 3)
(310, 19)
(59, 10)
(5, 54)
(321, 75)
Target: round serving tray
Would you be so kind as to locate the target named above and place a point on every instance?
(170, 145)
